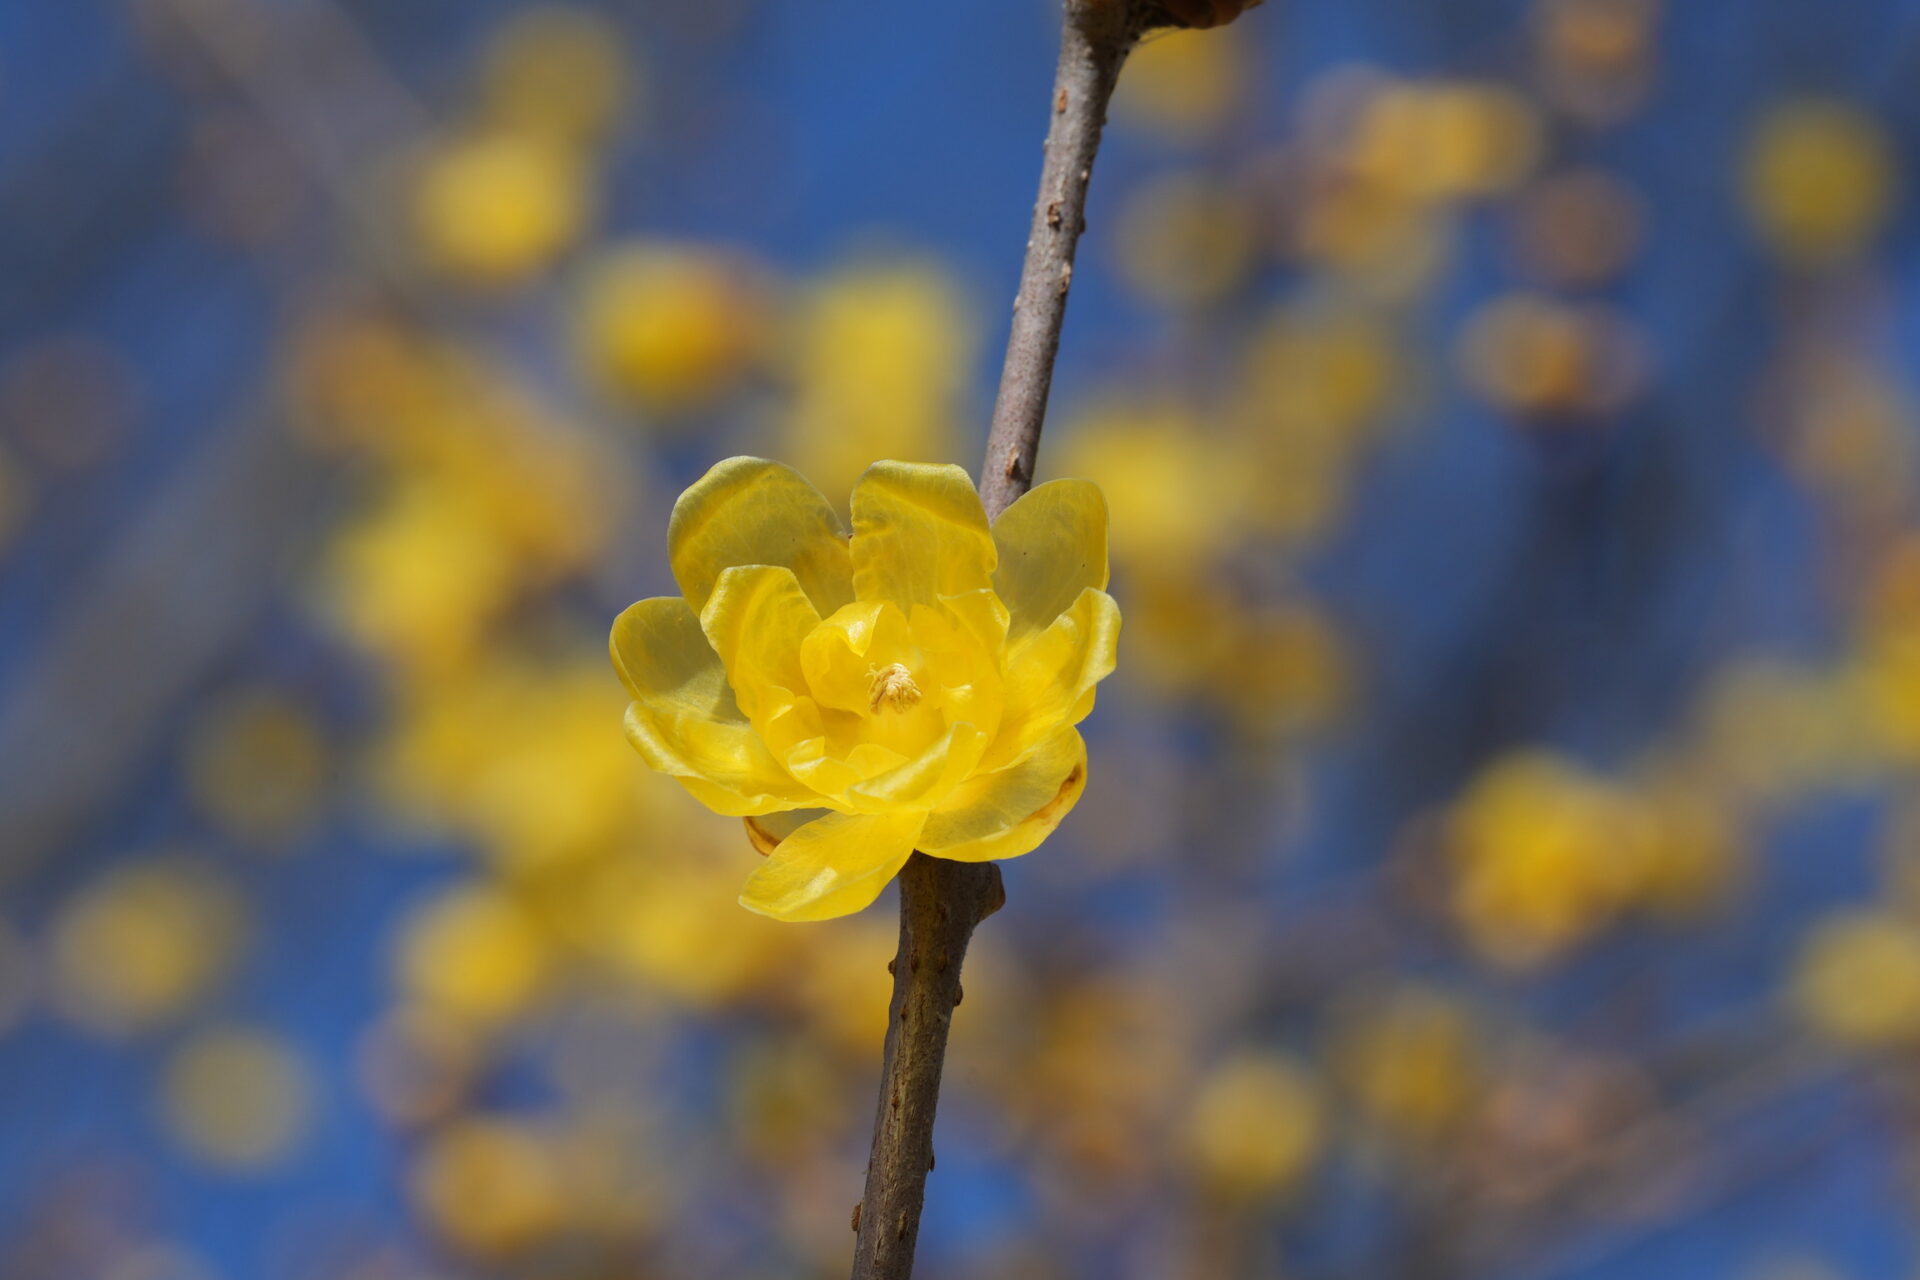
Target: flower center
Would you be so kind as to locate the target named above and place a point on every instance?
(893, 687)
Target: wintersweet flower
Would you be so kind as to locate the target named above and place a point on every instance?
(913, 686)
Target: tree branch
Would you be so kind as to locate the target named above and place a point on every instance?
(1094, 43)
(940, 901)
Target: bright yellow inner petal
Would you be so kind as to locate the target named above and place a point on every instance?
(869, 694)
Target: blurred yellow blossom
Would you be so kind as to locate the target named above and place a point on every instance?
(1379, 240)
(1184, 630)
(1322, 378)
(1695, 856)
(519, 761)
(1445, 140)
(492, 209)
(142, 944)
(669, 328)
(1108, 1068)
(786, 1098)
(1891, 598)
(1170, 492)
(1182, 85)
(1772, 731)
(474, 514)
(1850, 435)
(238, 1097)
(1595, 55)
(1858, 980)
(1288, 671)
(557, 70)
(1257, 1126)
(1541, 358)
(1411, 1058)
(880, 356)
(361, 380)
(1819, 180)
(841, 983)
(919, 681)
(674, 927)
(491, 1186)
(1543, 855)
(475, 953)
(1319, 385)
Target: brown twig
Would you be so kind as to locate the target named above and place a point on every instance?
(1094, 43)
(941, 902)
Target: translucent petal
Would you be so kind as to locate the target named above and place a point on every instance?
(1051, 675)
(923, 780)
(832, 866)
(919, 533)
(755, 620)
(752, 511)
(959, 663)
(1053, 546)
(684, 720)
(765, 831)
(839, 657)
(1008, 813)
(983, 616)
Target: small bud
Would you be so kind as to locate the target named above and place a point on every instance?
(1203, 13)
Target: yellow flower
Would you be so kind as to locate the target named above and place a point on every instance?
(880, 357)
(494, 209)
(1821, 179)
(670, 328)
(1257, 1127)
(1184, 87)
(1857, 981)
(919, 681)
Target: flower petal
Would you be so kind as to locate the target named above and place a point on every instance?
(919, 533)
(840, 655)
(1051, 675)
(922, 781)
(765, 831)
(1006, 814)
(1053, 545)
(833, 866)
(684, 720)
(755, 620)
(752, 511)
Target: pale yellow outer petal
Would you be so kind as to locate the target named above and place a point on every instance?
(1051, 675)
(684, 721)
(752, 511)
(1008, 813)
(919, 533)
(765, 831)
(833, 866)
(755, 620)
(1053, 545)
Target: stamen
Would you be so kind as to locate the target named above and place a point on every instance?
(893, 687)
